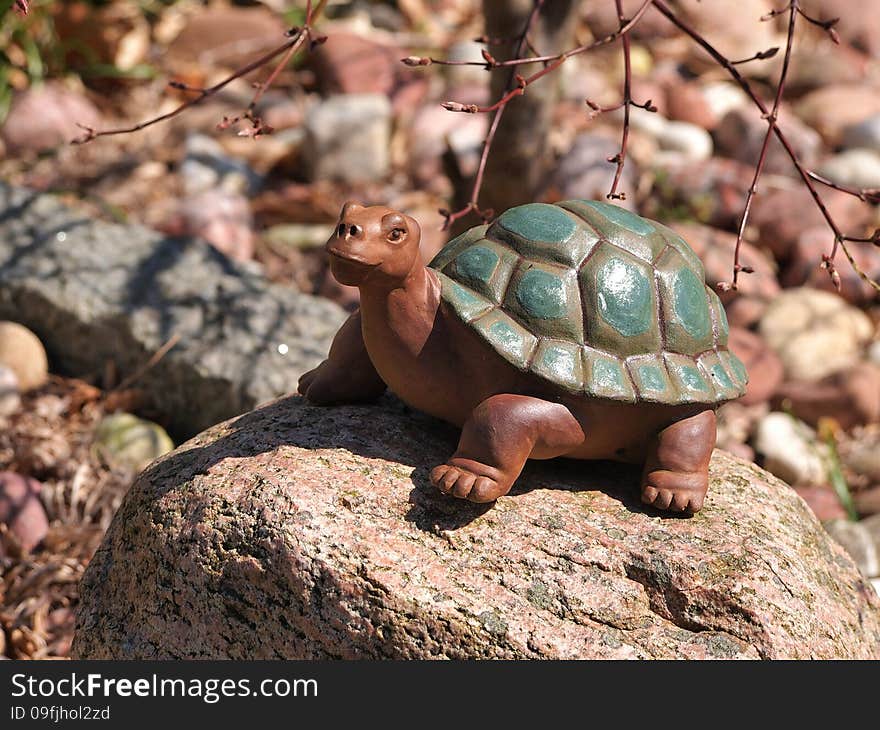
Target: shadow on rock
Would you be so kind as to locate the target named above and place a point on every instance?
(391, 431)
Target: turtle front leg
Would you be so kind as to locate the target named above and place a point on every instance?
(347, 375)
(501, 434)
(676, 474)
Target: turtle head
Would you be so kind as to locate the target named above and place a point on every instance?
(372, 244)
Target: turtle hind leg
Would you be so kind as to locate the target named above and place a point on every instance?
(676, 474)
(501, 434)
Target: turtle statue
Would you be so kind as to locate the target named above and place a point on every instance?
(576, 329)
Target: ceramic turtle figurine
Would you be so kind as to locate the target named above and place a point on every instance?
(577, 329)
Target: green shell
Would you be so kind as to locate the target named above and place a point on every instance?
(596, 300)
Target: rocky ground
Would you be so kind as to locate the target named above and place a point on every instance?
(353, 122)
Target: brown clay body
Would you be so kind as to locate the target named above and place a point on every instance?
(405, 338)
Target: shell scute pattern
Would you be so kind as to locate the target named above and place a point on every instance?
(595, 300)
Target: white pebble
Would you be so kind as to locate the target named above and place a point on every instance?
(859, 168)
(791, 450)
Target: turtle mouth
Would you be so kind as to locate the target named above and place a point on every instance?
(350, 258)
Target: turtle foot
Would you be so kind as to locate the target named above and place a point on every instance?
(470, 480)
(675, 491)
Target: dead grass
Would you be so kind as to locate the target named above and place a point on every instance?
(50, 439)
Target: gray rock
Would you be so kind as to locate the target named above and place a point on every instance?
(96, 292)
(206, 166)
(864, 134)
(297, 532)
(347, 138)
(586, 173)
(740, 136)
(859, 542)
(871, 526)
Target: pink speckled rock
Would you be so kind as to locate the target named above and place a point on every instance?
(303, 532)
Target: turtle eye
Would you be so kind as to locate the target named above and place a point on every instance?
(396, 235)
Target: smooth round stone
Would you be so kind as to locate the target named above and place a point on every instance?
(685, 142)
(723, 96)
(816, 333)
(21, 509)
(23, 353)
(858, 542)
(131, 442)
(859, 168)
(864, 134)
(790, 450)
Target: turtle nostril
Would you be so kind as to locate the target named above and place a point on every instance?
(356, 231)
(341, 230)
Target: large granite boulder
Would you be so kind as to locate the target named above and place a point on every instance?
(96, 292)
(300, 532)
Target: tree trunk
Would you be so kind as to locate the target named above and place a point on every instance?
(519, 158)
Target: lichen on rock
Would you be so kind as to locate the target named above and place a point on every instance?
(302, 532)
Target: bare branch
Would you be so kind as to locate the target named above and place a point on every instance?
(473, 203)
(287, 48)
(296, 39)
(517, 86)
(762, 157)
(806, 176)
(620, 158)
(759, 56)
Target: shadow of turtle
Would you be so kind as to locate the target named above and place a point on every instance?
(410, 438)
(433, 511)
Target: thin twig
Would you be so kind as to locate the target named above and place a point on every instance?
(521, 61)
(148, 365)
(296, 38)
(620, 158)
(516, 86)
(293, 43)
(762, 158)
(806, 176)
(473, 203)
(866, 195)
